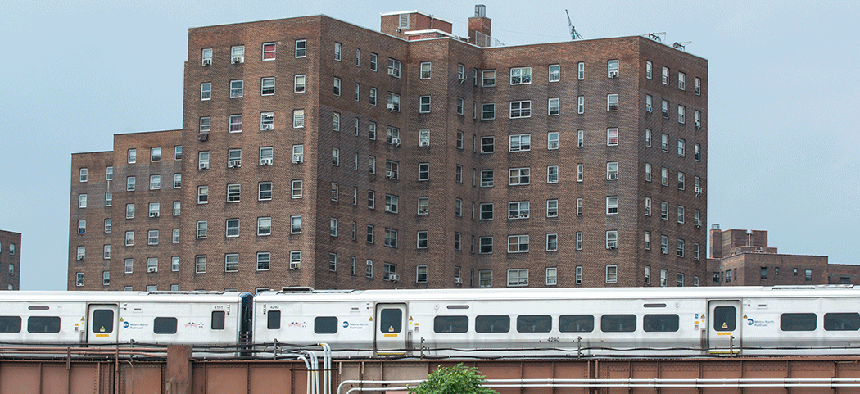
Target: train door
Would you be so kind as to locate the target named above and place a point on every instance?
(390, 325)
(102, 323)
(724, 328)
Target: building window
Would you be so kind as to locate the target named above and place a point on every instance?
(267, 120)
(552, 242)
(518, 277)
(390, 239)
(423, 239)
(236, 88)
(336, 86)
(368, 270)
(423, 171)
(518, 210)
(579, 206)
(580, 105)
(697, 86)
(665, 75)
(680, 214)
(424, 137)
(664, 176)
(488, 78)
(295, 224)
(518, 243)
(579, 240)
(664, 210)
(461, 72)
(393, 103)
(680, 248)
(233, 192)
(682, 147)
(425, 68)
(612, 205)
(338, 51)
(612, 102)
(130, 183)
(611, 274)
(132, 156)
(521, 75)
(519, 142)
(612, 239)
(488, 111)
(664, 244)
(552, 174)
(267, 86)
(458, 207)
(232, 228)
(808, 275)
(681, 180)
(485, 245)
(391, 203)
(682, 114)
(152, 237)
(129, 238)
(682, 81)
(520, 109)
(612, 137)
(648, 69)
(82, 201)
(370, 233)
(647, 206)
(579, 172)
(371, 199)
(264, 226)
(648, 247)
(202, 229)
(263, 260)
(394, 68)
(423, 205)
(554, 73)
(664, 278)
(696, 255)
(154, 209)
(518, 176)
(552, 208)
(488, 144)
(457, 241)
(108, 226)
(679, 280)
(665, 109)
(612, 68)
(649, 106)
(552, 140)
(612, 170)
(421, 274)
(647, 138)
(486, 210)
(296, 188)
(231, 262)
(553, 106)
(332, 227)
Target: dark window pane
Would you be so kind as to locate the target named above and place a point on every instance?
(43, 324)
(274, 320)
(217, 320)
(842, 321)
(724, 318)
(576, 323)
(534, 323)
(493, 324)
(660, 323)
(102, 321)
(618, 323)
(164, 325)
(10, 324)
(450, 324)
(390, 320)
(798, 322)
(325, 325)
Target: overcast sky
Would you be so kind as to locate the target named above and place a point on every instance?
(783, 106)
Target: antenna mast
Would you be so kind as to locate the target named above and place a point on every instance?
(573, 34)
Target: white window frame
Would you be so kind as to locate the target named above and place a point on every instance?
(521, 75)
(518, 277)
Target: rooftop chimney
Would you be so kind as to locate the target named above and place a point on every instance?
(479, 27)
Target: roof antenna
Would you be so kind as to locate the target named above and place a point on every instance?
(573, 34)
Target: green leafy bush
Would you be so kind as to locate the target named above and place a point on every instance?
(458, 379)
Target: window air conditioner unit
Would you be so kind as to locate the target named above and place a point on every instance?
(613, 74)
(389, 174)
(266, 161)
(395, 141)
(698, 190)
(298, 159)
(649, 109)
(80, 257)
(153, 214)
(394, 277)
(268, 127)
(203, 166)
(698, 125)
(295, 265)
(238, 59)
(392, 72)
(423, 143)
(458, 281)
(151, 269)
(391, 107)
(234, 163)
(207, 62)
(611, 247)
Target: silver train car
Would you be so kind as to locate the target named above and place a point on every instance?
(627, 322)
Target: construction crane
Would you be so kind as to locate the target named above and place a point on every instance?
(573, 34)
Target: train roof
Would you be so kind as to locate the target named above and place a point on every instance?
(488, 294)
(118, 296)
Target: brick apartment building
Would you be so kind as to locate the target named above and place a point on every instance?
(743, 258)
(10, 260)
(317, 153)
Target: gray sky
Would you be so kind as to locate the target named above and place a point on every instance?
(784, 152)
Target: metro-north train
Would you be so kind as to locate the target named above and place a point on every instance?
(641, 322)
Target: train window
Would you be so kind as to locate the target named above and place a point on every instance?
(534, 323)
(274, 320)
(450, 324)
(390, 320)
(842, 321)
(325, 325)
(576, 323)
(660, 323)
(43, 324)
(102, 321)
(217, 320)
(618, 323)
(164, 325)
(493, 324)
(10, 324)
(798, 322)
(725, 318)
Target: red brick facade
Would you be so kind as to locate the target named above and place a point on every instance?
(10, 260)
(430, 153)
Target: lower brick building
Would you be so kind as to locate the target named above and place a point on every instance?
(743, 258)
(10, 260)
